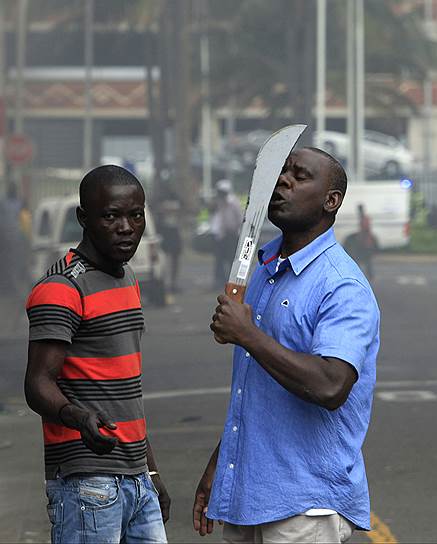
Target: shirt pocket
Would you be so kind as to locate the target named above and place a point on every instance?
(293, 327)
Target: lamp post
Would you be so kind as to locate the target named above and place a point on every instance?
(321, 67)
(355, 88)
(89, 60)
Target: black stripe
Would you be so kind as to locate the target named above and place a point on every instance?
(113, 316)
(53, 309)
(100, 458)
(72, 444)
(122, 456)
(102, 396)
(77, 445)
(121, 452)
(114, 323)
(114, 382)
(121, 330)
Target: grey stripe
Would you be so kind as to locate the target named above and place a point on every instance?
(111, 346)
(94, 281)
(117, 410)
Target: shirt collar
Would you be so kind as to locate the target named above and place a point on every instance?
(302, 258)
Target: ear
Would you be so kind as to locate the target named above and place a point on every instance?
(333, 200)
(81, 216)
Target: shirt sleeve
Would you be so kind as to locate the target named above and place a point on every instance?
(347, 323)
(54, 309)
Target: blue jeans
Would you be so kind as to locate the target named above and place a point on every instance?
(104, 509)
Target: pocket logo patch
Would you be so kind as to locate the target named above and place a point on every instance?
(285, 302)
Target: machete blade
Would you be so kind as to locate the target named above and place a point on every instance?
(269, 163)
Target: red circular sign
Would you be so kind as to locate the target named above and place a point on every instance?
(19, 149)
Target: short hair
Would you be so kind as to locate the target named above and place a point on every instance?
(108, 174)
(338, 177)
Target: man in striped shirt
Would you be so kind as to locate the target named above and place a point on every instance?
(84, 375)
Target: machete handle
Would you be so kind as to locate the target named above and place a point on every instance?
(235, 292)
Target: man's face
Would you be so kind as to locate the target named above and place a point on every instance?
(298, 201)
(114, 221)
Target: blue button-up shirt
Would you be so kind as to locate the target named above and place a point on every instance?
(280, 455)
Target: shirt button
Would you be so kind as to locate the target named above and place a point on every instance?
(247, 354)
(231, 465)
(235, 428)
(258, 317)
(271, 281)
(238, 391)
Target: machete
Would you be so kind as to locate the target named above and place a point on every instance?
(269, 162)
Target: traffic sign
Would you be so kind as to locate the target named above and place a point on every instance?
(19, 149)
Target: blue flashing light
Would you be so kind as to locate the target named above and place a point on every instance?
(407, 183)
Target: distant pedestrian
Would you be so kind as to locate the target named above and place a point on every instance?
(362, 245)
(225, 224)
(84, 376)
(169, 223)
(15, 251)
(432, 217)
(289, 466)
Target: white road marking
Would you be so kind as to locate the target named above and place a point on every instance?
(173, 393)
(412, 280)
(186, 393)
(407, 396)
(407, 383)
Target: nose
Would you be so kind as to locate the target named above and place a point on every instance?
(284, 180)
(124, 225)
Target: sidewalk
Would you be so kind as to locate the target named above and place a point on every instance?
(22, 506)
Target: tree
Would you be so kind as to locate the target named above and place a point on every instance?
(267, 50)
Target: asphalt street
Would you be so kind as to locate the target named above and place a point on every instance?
(186, 381)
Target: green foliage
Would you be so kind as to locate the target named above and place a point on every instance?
(423, 240)
(255, 44)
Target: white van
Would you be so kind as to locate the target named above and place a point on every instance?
(56, 229)
(386, 203)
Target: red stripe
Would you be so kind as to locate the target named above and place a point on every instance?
(68, 257)
(102, 368)
(127, 431)
(271, 259)
(55, 293)
(111, 300)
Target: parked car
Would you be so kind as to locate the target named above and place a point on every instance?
(383, 154)
(56, 229)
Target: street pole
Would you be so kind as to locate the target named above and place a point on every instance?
(20, 62)
(355, 88)
(321, 68)
(89, 60)
(21, 35)
(2, 101)
(427, 117)
(206, 105)
(360, 63)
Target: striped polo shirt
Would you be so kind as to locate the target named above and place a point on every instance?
(101, 319)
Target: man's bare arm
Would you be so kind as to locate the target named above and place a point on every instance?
(201, 523)
(323, 381)
(43, 395)
(163, 496)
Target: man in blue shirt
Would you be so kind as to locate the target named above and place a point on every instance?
(289, 466)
